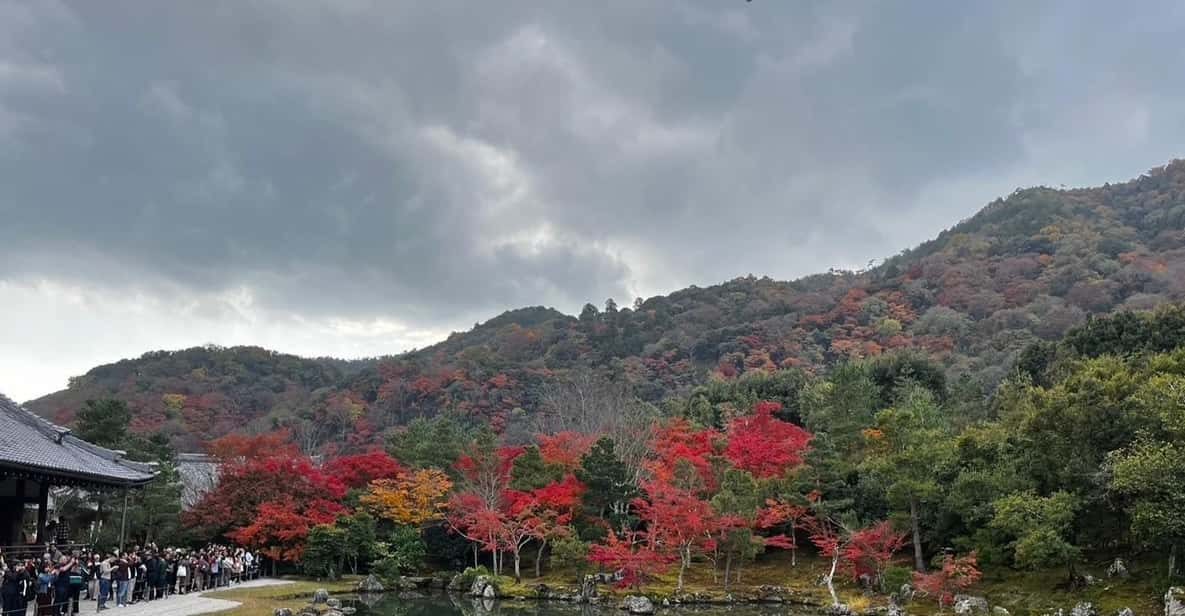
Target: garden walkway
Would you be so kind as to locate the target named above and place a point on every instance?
(180, 605)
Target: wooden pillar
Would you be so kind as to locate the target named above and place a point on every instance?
(123, 522)
(42, 511)
(16, 526)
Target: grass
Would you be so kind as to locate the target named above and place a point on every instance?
(264, 600)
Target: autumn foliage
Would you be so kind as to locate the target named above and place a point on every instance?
(410, 498)
(359, 470)
(632, 557)
(957, 574)
(764, 445)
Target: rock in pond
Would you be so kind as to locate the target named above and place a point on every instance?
(370, 585)
(320, 596)
(637, 604)
(478, 587)
(839, 609)
(281, 611)
(1174, 601)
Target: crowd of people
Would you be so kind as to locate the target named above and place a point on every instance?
(57, 583)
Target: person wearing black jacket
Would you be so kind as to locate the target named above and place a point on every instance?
(13, 589)
(153, 578)
(62, 585)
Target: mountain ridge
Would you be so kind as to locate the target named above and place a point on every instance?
(1025, 268)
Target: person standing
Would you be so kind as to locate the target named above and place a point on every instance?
(45, 590)
(90, 576)
(123, 576)
(105, 571)
(182, 574)
(61, 586)
(62, 532)
(78, 574)
(12, 590)
(215, 571)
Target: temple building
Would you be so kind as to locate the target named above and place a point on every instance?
(36, 456)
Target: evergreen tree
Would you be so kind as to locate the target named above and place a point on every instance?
(609, 489)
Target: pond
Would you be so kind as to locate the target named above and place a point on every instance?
(444, 604)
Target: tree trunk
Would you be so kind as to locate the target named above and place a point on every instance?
(831, 577)
(539, 559)
(518, 576)
(475, 563)
(919, 561)
(1172, 560)
(684, 557)
(727, 569)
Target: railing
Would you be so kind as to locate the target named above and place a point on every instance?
(23, 552)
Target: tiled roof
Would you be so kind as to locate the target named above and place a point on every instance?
(34, 445)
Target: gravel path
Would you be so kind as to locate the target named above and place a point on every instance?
(178, 605)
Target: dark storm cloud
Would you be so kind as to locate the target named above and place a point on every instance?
(440, 161)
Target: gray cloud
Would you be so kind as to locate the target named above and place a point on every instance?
(436, 162)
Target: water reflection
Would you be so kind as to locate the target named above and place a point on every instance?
(445, 604)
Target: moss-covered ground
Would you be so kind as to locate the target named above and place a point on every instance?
(264, 600)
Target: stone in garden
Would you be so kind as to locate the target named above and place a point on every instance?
(479, 585)
(839, 609)
(490, 592)
(333, 603)
(1084, 609)
(1117, 569)
(282, 611)
(967, 605)
(321, 596)
(588, 589)
(1174, 601)
(637, 604)
(999, 611)
(1127, 611)
(370, 585)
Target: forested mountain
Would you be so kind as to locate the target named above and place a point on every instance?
(1025, 269)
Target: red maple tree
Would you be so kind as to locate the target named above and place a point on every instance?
(677, 521)
(765, 445)
(956, 575)
(358, 471)
(565, 448)
(255, 471)
(629, 555)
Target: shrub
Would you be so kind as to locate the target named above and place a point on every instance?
(895, 577)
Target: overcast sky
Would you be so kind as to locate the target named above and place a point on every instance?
(356, 178)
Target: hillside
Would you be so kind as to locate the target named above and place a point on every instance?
(1027, 267)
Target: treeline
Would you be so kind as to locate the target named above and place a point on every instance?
(1076, 456)
(1027, 269)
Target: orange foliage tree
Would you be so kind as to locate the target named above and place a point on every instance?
(411, 498)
